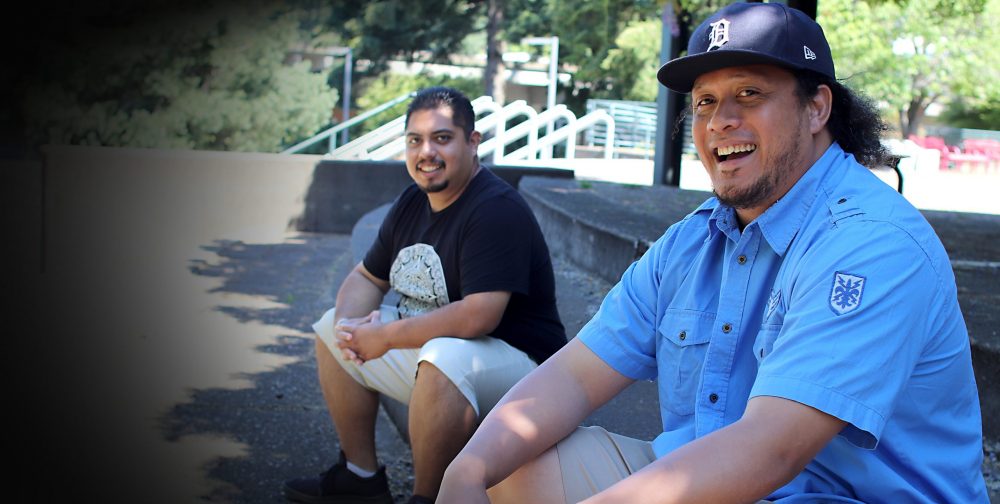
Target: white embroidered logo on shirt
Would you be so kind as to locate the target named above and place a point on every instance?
(772, 304)
(719, 34)
(845, 296)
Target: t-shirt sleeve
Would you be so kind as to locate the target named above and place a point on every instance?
(378, 259)
(858, 315)
(496, 248)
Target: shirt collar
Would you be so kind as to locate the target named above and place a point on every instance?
(782, 221)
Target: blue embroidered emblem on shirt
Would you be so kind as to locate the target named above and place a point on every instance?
(845, 296)
(772, 303)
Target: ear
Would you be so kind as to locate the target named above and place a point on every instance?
(819, 108)
(475, 138)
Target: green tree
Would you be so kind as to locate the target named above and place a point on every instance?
(634, 61)
(204, 76)
(910, 54)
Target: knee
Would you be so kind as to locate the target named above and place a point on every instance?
(433, 389)
(430, 378)
(540, 480)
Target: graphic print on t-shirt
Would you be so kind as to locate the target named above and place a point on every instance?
(418, 277)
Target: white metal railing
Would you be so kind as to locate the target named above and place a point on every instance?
(387, 142)
(568, 134)
(331, 133)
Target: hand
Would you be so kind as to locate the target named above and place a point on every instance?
(362, 339)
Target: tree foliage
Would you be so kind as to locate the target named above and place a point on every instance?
(382, 29)
(208, 76)
(910, 54)
(634, 61)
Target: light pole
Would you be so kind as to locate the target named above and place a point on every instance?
(553, 76)
(347, 54)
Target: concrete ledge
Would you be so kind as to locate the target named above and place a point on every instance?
(341, 192)
(582, 222)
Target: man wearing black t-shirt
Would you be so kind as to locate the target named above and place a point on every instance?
(477, 310)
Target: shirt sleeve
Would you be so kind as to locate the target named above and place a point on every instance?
(496, 249)
(859, 313)
(623, 331)
(378, 259)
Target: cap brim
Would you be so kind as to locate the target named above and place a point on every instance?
(680, 74)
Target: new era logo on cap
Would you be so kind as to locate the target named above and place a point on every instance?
(809, 54)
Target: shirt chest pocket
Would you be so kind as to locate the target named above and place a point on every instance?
(684, 339)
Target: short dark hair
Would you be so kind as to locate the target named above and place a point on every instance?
(854, 119)
(433, 97)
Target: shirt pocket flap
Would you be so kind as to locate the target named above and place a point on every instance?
(685, 329)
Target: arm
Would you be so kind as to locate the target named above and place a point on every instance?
(473, 316)
(743, 462)
(540, 410)
(360, 294)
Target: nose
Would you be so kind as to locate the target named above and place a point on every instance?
(726, 116)
(427, 150)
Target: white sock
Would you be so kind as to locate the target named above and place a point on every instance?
(359, 471)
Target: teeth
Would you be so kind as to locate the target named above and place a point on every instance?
(732, 149)
(429, 167)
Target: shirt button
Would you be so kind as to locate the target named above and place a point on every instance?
(742, 259)
(713, 398)
(682, 336)
(726, 328)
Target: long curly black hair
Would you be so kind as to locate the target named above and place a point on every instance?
(854, 119)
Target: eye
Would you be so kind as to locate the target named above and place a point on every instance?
(442, 138)
(703, 100)
(746, 93)
(412, 140)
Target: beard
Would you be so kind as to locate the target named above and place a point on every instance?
(778, 167)
(433, 188)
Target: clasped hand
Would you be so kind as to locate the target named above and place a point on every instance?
(361, 339)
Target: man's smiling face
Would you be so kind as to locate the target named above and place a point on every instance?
(753, 134)
(440, 157)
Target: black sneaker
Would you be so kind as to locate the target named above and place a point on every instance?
(338, 485)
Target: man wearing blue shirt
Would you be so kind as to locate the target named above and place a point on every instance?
(803, 325)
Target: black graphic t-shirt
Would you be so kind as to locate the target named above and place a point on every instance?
(487, 240)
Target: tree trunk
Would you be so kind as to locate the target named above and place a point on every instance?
(910, 119)
(493, 76)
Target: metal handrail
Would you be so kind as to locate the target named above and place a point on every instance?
(329, 133)
(386, 141)
(531, 150)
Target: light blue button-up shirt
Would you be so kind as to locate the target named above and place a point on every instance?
(839, 296)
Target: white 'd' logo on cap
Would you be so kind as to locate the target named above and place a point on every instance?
(719, 34)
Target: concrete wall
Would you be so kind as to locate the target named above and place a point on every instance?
(341, 192)
(81, 197)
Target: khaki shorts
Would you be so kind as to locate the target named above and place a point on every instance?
(483, 369)
(592, 459)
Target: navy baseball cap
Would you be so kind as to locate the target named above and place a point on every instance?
(750, 34)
